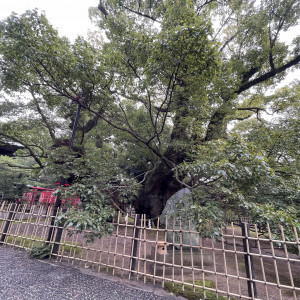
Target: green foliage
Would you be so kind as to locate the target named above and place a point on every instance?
(206, 215)
(98, 184)
(189, 292)
(283, 221)
(12, 181)
(226, 169)
(40, 251)
(229, 173)
(277, 200)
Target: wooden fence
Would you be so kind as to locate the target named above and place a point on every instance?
(238, 265)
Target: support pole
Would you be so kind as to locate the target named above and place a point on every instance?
(249, 266)
(58, 232)
(52, 225)
(135, 244)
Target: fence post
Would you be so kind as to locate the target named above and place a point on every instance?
(58, 237)
(10, 218)
(135, 243)
(52, 227)
(252, 292)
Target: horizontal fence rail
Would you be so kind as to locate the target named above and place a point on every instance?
(240, 264)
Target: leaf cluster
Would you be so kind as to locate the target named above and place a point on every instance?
(99, 185)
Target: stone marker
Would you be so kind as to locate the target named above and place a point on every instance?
(179, 250)
(172, 214)
(171, 262)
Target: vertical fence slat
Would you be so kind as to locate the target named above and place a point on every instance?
(274, 261)
(164, 258)
(192, 255)
(235, 257)
(173, 251)
(63, 243)
(145, 248)
(109, 253)
(140, 236)
(53, 229)
(137, 226)
(155, 252)
(261, 261)
(214, 264)
(181, 253)
(288, 262)
(202, 265)
(116, 242)
(125, 241)
(100, 256)
(225, 265)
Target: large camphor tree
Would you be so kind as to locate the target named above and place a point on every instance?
(178, 93)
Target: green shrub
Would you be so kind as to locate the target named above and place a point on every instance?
(40, 251)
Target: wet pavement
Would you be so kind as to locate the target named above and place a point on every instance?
(22, 278)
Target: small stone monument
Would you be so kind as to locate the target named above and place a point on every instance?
(178, 241)
(171, 213)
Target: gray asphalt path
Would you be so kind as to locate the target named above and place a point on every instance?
(22, 278)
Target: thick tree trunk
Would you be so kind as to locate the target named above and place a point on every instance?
(158, 188)
(162, 184)
(217, 126)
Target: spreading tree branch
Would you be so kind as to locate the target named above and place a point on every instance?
(35, 157)
(140, 14)
(268, 75)
(21, 167)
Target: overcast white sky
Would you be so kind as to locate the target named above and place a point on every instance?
(70, 17)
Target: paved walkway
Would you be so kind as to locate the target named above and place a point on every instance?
(22, 278)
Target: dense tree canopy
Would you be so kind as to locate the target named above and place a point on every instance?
(180, 94)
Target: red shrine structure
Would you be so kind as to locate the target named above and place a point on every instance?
(39, 195)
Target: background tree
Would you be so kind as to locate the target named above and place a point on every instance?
(49, 72)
